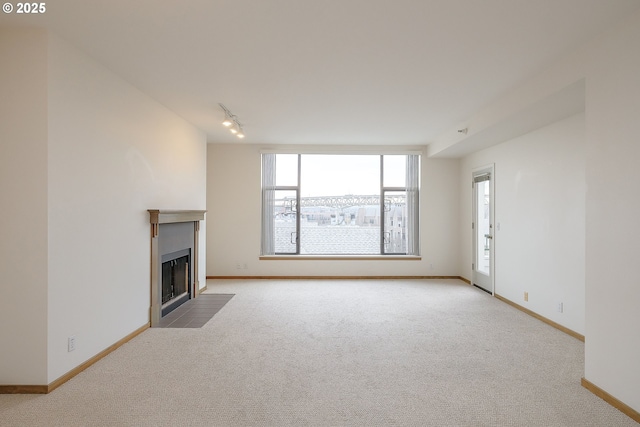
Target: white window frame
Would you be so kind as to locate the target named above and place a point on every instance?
(269, 187)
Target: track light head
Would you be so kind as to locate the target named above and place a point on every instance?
(231, 121)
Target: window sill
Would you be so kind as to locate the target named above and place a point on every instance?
(340, 258)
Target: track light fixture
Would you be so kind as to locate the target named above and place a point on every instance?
(231, 121)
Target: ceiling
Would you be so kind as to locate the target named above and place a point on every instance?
(350, 72)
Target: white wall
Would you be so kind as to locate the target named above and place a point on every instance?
(23, 196)
(113, 154)
(613, 214)
(233, 218)
(540, 206)
(610, 65)
(83, 156)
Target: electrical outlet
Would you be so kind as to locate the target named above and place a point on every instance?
(526, 296)
(71, 343)
(244, 266)
(560, 307)
(238, 266)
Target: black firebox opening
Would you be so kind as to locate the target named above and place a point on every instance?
(176, 276)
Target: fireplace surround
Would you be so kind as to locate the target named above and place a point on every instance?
(174, 255)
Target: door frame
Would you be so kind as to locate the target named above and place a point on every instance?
(489, 168)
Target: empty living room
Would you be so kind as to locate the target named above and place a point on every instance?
(354, 213)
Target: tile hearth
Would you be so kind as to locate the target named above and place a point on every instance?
(195, 312)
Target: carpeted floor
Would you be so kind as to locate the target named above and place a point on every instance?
(335, 353)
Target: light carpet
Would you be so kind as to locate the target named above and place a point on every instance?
(335, 353)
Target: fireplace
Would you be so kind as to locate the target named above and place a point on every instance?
(174, 260)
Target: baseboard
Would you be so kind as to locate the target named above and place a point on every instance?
(467, 281)
(24, 389)
(622, 407)
(332, 277)
(44, 389)
(201, 290)
(542, 318)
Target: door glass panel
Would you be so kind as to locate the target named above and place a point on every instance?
(395, 222)
(284, 213)
(483, 227)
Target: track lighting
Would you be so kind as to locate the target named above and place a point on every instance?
(231, 121)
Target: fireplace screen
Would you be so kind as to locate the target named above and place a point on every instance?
(175, 278)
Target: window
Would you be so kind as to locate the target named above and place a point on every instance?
(340, 204)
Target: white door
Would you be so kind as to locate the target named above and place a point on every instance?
(482, 227)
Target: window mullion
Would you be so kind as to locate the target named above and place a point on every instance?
(298, 202)
(381, 207)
